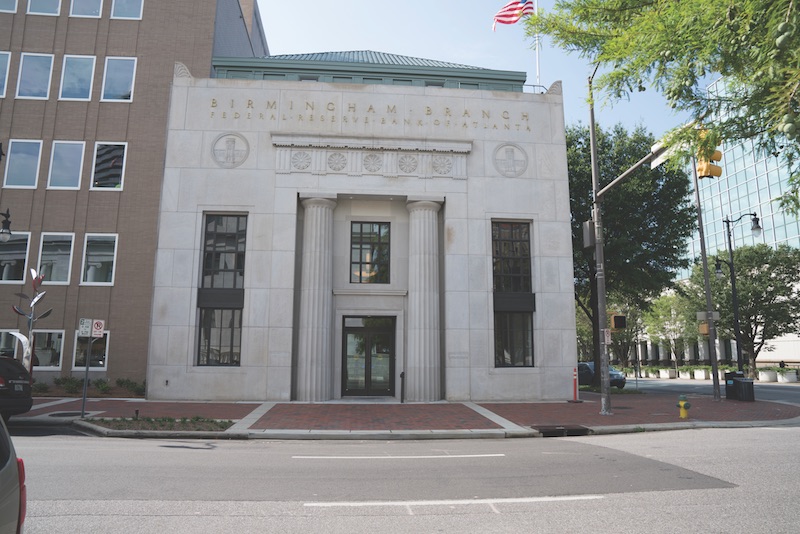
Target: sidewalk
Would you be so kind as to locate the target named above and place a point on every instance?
(382, 419)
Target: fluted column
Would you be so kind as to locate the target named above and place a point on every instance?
(423, 362)
(314, 353)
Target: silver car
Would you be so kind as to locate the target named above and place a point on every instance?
(13, 496)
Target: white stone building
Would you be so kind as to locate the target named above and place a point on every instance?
(323, 240)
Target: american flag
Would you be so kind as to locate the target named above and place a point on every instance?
(512, 12)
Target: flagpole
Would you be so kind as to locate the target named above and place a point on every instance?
(538, 43)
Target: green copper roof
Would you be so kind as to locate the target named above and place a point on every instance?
(368, 67)
(373, 58)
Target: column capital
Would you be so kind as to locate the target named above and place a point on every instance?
(429, 205)
(318, 201)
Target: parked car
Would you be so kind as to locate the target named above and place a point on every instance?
(586, 375)
(13, 494)
(15, 388)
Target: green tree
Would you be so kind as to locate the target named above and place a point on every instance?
(623, 342)
(647, 220)
(678, 47)
(671, 320)
(768, 287)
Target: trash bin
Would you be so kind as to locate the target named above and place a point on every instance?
(744, 389)
(731, 390)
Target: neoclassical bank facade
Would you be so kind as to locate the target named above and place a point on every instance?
(322, 240)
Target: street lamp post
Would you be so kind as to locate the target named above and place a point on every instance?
(755, 227)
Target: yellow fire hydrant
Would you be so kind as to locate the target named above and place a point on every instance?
(684, 407)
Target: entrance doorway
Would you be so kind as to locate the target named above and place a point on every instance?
(368, 356)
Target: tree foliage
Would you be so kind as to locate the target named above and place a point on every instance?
(671, 320)
(768, 290)
(647, 220)
(677, 48)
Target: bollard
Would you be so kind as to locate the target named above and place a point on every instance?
(684, 407)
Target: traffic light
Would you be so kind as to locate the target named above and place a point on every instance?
(706, 167)
(619, 322)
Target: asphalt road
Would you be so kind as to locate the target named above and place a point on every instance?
(713, 480)
(770, 391)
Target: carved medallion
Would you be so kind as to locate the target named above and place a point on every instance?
(301, 160)
(373, 162)
(337, 161)
(407, 163)
(442, 164)
(230, 150)
(510, 160)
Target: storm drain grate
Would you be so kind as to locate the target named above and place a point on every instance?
(562, 431)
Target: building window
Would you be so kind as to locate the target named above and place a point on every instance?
(5, 60)
(76, 80)
(514, 302)
(126, 9)
(99, 256)
(118, 79)
(220, 337)
(66, 165)
(8, 344)
(22, 163)
(99, 358)
(513, 339)
(48, 348)
(223, 251)
(35, 71)
(369, 253)
(8, 6)
(109, 165)
(86, 8)
(55, 258)
(14, 258)
(220, 298)
(44, 7)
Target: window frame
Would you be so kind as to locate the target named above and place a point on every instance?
(53, 165)
(72, 11)
(215, 294)
(84, 266)
(63, 78)
(234, 331)
(75, 367)
(109, 59)
(97, 144)
(10, 153)
(23, 57)
(44, 13)
(48, 280)
(60, 353)
(114, 7)
(14, 10)
(4, 75)
(512, 292)
(356, 271)
(16, 237)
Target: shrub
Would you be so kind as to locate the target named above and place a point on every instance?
(40, 387)
(102, 385)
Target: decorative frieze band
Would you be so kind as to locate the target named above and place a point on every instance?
(390, 158)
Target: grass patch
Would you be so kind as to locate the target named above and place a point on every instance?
(193, 424)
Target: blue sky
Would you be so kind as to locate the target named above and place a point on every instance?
(459, 32)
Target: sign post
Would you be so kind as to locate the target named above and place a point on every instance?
(92, 329)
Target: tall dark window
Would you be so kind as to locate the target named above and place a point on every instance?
(514, 302)
(220, 298)
(369, 253)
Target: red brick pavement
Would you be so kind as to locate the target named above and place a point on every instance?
(359, 416)
(640, 409)
(114, 408)
(626, 410)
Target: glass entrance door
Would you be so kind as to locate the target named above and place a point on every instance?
(368, 354)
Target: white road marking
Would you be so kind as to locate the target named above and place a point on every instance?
(459, 502)
(422, 457)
